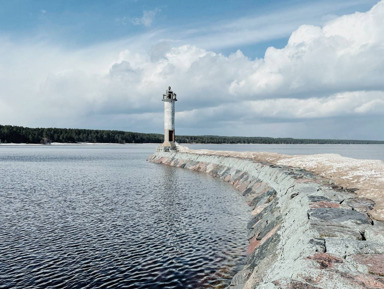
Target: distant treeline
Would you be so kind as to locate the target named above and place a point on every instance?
(19, 134)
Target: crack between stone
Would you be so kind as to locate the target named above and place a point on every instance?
(289, 188)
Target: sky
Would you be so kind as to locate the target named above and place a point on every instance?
(281, 68)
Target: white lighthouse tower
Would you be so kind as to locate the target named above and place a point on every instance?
(169, 99)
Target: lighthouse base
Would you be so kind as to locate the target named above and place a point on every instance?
(167, 147)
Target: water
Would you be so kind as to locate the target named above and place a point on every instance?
(102, 217)
(357, 151)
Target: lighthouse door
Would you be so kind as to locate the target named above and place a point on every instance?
(171, 135)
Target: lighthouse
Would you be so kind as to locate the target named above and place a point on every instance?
(169, 99)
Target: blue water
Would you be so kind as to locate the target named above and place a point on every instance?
(103, 217)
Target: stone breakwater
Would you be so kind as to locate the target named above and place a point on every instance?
(303, 232)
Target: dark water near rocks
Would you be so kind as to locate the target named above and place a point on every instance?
(103, 217)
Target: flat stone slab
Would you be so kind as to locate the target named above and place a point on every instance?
(374, 262)
(338, 215)
(346, 247)
(330, 230)
(314, 199)
(361, 203)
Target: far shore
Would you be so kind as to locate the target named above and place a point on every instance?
(70, 144)
(245, 144)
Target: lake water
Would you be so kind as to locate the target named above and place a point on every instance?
(103, 217)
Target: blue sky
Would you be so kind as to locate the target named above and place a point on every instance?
(259, 68)
(74, 23)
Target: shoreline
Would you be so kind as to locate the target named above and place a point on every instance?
(72, 144)
(243, 144)
(304, 232)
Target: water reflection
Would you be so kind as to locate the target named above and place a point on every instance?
(110, 219)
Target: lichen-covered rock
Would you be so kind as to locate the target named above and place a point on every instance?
(241, 278)
(347, 247)
(374, 262)
(336, 215)
(361, 204)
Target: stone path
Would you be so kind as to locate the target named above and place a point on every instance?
(303, 231)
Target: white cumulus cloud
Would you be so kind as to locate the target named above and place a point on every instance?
(323, 73)
(344, 55)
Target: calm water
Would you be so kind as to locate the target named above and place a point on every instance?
(103, 217)
(359, 151)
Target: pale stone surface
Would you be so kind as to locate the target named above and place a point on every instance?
(366, 176)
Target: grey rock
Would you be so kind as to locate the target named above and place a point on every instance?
(346, 247)
(375, 233)
(315, 199)
(262, 228)
(294, 284)
(339, 215)
(301, 174)
(294, 195)
(241, 278)
(363, 204)
(266, 249)
(236, 175)
(269, 226)
(318, 244)
(240, 286)
(263, 198)
(331, 230)
(310, 188)
(268, 285)
(267, 214)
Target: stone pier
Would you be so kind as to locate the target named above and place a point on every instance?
(302, 232)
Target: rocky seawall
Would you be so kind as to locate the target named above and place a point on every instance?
(303, 232)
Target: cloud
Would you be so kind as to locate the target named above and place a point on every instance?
(147, 18)
(332, 73)
(339, 105)
(262, 25)
(344, 55)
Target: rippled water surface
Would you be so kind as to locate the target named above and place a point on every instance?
(103, 217)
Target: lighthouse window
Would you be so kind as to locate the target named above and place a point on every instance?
(171, 135)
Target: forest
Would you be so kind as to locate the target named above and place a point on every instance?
(19, 134)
